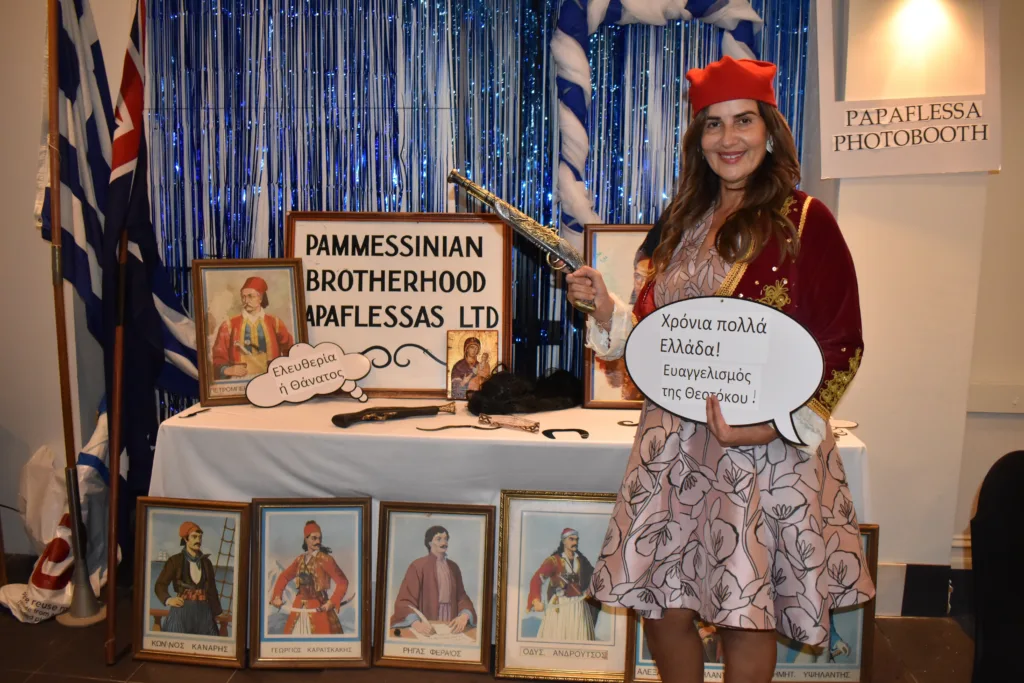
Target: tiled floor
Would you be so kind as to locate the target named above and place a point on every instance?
(906, 651)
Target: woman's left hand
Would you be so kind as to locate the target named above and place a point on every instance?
(754, 435)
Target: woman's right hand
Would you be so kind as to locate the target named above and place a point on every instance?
(586, 284)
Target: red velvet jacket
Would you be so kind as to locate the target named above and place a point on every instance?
(818, 289)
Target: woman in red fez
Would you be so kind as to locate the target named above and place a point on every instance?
(734, 526)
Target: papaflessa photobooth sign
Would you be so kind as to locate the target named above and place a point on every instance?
(760, 363)
(940, 60)
(389, 286)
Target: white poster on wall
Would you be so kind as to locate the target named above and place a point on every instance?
(390, 286)
(908, 87)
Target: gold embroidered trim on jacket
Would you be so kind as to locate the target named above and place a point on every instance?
(820, 410)
(835, 388)
(731, 280)
(787, 206)
(803, 216)
(776, 295)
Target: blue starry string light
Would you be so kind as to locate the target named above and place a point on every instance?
(260, 107)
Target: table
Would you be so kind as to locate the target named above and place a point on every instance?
(237, 453)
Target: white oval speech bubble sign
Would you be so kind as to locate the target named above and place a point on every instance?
(308, 371)
(761, 364)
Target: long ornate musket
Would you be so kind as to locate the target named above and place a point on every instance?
(564, 255)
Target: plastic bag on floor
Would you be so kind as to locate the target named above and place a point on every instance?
(48, 592)
(42, 496)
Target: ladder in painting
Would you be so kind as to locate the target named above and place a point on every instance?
(226, 550)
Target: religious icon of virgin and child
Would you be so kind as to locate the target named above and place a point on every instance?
(472, 371)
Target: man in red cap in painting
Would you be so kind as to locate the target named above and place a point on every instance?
(558, 589)
(720, 540)
(247, 343)
(314, 611)
(196, 604)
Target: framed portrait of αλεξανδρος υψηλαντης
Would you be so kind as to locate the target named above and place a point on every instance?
(847, 657)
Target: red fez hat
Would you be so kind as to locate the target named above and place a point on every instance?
(310, 528)
(731, 79)
(257, 283)
(569, 532)
(188, 527)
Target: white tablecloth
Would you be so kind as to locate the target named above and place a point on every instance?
(237, 453)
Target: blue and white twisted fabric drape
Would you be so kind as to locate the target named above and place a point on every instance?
(577, 21)
(259, 107)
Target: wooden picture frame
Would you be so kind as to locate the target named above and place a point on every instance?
(858, 620)
(406, 559)
(168, 631)
(611, 249)
(535, 528)
(286, 636)
(220, 319)
(403, 330)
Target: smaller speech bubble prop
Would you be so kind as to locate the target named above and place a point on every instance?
(309, 371)
(761, 364)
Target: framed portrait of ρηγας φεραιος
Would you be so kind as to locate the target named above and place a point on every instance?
(435, 568)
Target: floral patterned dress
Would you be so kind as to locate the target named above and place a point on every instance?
(760, 537)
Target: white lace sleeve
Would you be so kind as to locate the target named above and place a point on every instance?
(810, 428)
(610, 344)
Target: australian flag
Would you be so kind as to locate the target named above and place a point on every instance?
(159, 338)
(104, 195)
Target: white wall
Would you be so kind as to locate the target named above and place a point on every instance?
(999, 333)
(917, 245)
(30, 410)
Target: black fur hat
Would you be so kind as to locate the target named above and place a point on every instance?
(505, 393)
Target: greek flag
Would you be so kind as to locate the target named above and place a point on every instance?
(104, 193)
(86, 119)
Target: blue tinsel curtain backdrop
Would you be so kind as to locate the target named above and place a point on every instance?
(259, 107)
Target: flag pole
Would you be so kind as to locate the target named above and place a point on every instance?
(53, 142)
(85, 608)
(114, 442)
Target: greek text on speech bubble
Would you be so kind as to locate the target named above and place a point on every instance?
(761, 364)
(308, 371)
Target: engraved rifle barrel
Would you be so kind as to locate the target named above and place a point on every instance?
(541, 236)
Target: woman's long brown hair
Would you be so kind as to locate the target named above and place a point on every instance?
(759, 217)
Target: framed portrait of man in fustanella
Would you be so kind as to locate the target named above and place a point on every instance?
(435, 566)
(310, 605)
(191, 576)
(548, 625)
(614, 251)
(248, 312)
